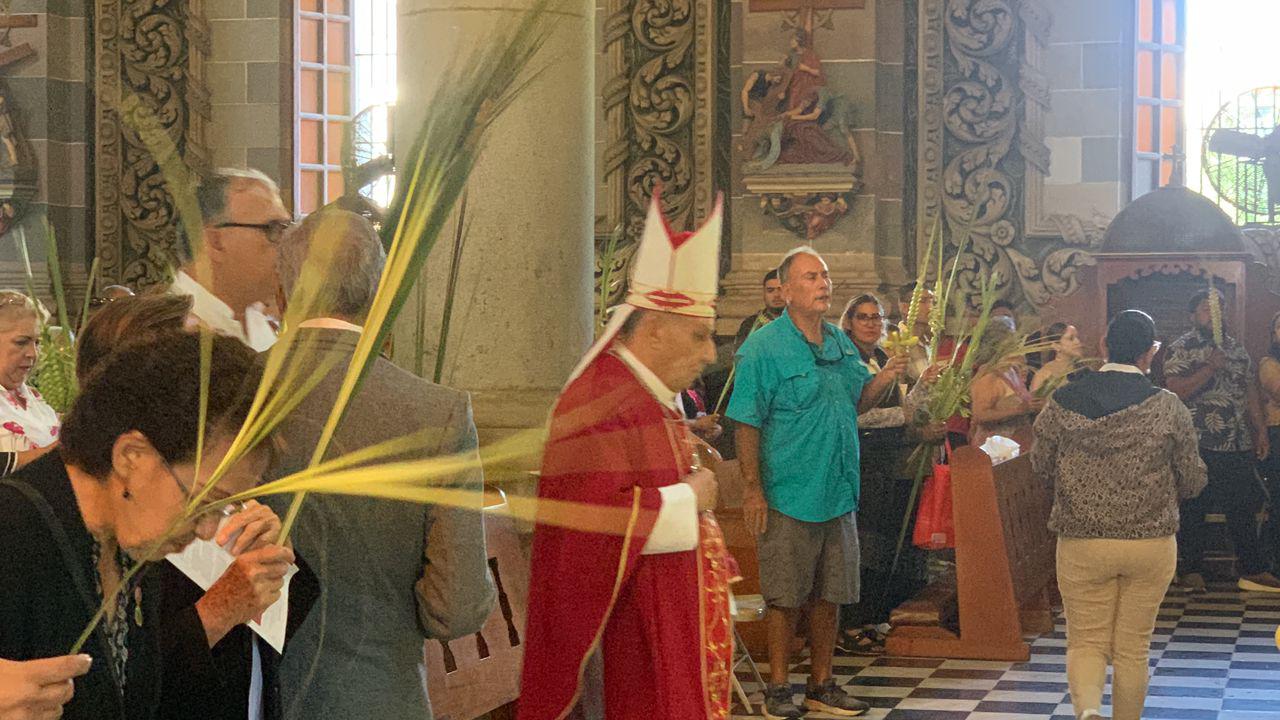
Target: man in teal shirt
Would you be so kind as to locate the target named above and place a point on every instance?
(800, 383)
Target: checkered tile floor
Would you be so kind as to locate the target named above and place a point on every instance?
(1213, 656)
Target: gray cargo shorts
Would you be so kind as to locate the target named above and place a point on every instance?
(800, 561)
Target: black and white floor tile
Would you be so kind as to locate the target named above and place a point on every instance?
(1213, 656)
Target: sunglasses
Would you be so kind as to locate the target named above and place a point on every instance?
(817, 356)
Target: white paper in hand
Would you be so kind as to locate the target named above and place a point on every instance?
(204, 562)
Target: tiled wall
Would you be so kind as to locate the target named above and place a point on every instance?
(1086, 66)
(250, 79)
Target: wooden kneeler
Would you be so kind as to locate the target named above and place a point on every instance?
(1004, 563)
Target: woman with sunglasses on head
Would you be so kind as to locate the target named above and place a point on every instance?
(72, 524)
(1000, 403)
(1269, 384)
(28, 425)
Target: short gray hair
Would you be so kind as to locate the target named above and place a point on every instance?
(214, 191)
(351, 274)
(632, 322)
(784, 267)
(213, 194)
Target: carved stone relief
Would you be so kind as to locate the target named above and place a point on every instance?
(798, 149)
(659, 103)
(981, 137)
(152, 50)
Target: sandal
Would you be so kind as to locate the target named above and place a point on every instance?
(868, 641)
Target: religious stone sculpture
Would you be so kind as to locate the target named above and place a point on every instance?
(793, 117)
(797, 149)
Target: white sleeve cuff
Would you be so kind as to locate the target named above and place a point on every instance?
(676, 529)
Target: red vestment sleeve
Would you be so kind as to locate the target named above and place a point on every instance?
(608, 447)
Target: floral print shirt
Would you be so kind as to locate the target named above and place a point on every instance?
(26, 420)
(1220, 410)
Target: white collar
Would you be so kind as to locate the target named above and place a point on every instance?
(1121, 367)
(255, 331)
(330, 323)
(651, 382)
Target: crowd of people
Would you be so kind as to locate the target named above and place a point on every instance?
(629, 568)
(1138, 463)
(94, 505)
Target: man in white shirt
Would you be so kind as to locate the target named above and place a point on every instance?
(243, 219)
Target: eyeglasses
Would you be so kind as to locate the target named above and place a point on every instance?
(226, 510)
(864, 317)
(274, 230)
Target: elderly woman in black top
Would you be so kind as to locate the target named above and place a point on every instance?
(72, 523)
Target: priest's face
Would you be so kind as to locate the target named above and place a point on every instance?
(808, 285)
(676, 347)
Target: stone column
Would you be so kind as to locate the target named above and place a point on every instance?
(522, 310)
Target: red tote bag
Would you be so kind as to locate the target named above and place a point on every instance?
(935, 525)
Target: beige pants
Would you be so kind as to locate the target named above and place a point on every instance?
(1112, 590)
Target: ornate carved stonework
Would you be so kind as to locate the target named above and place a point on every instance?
(659, 103)
(982, 103)
(152, 50)
(807, 201)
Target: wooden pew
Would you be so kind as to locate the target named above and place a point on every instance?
(742, 546)
(1004, 563)
(474, 675)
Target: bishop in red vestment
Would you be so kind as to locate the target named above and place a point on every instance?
(652, 598)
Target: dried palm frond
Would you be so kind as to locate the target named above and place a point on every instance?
(474, 91)
(949, 396)
(903, 338)
(1215, 313)
(608, 284)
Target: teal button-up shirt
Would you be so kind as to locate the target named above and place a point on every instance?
(804, 401)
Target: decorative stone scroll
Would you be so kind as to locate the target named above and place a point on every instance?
(982, 102)
(659, 109)
(153, 50)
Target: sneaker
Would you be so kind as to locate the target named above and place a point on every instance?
(1192, 582)
(1261, 582)
(830, 699)
(779, 703)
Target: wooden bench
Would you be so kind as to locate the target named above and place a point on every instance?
(1004, 564)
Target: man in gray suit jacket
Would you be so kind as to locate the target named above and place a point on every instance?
(391, 573)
